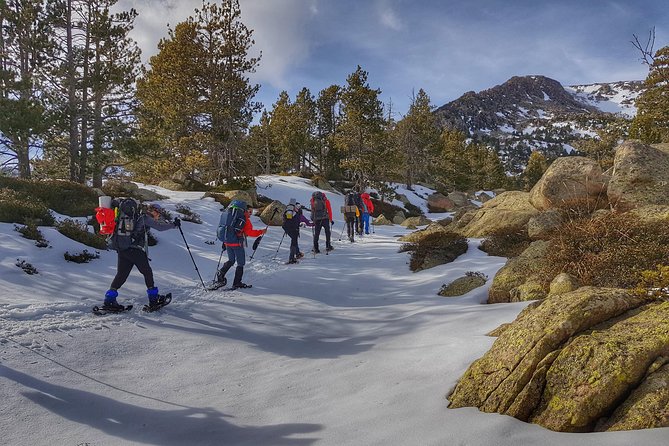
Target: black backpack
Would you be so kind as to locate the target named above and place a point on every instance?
(129, 230)
(350, 199)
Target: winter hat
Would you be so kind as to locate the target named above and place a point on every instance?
(292, 201)
(155, 207)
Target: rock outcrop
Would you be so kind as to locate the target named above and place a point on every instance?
(509, 209)
(640, 176)
(570, 361)
(569, 181)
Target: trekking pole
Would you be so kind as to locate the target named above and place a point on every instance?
(191, 257)
(342, 231)
(257, 242)
(219, 260)
(313, 236)
(277, 249)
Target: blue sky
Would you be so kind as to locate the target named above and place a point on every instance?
(445, 47)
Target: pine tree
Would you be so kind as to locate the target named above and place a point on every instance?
(360, 136)
(92, 86)
(196, 99)
(454, 168)
(651, 123)
(536, 166)
(327, 122)
(417, 139)
(24, 56)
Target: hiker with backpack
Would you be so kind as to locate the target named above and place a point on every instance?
(359, 203)
(130, 239)
(321, 215)
(234, 226)
(292, 218)
(369, 210)
(351, 215)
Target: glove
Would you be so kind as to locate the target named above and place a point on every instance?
(177, 222)
(223, 248)
(332, 223)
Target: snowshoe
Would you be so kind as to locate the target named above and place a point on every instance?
(241, 285)
(111, 309)
(292, 262)
(160, 303)
(217, 284)
(300, 255)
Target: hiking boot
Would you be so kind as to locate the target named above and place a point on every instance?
(291, 261)
(329, 248)
(317, 251)
(152, 294)
(110, 299)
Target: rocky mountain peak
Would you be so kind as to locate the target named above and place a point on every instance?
(528, 113)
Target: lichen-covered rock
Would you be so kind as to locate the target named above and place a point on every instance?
(416, 221)
(570, 180)
(510, 209)
(440, 203)
(381, 220)
(647, 406)
(651, 213)
(541, 225)
(399, 218)
(459, 198)
(462, 285)
(495, 382)
(640, 176)
(516, 272)
(563, 283)
(596, 370)
(417, 236)
(246, 196)
(532, 289)
(273, 213)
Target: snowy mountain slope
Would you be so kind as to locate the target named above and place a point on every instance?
(345, 349)
(528, 113)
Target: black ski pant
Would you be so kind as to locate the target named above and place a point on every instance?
(325, 224)
(350, 226)
(294, 247)
(126, 260)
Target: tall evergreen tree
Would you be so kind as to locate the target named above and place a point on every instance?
(92, 86)
(204, 63)
(536, 166)
(328, 115)
(651, 123)
(417, 139)
(360, 135)
(24, 56)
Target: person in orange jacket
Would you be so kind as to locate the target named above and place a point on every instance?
(321, 215)
(369, 209)
(234, 245)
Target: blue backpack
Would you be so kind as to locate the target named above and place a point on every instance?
(232, 219)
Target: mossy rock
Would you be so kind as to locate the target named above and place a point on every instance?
(462, 285)
(494, 382)
(417, 236)
(563, 283)
(597, 370)
(516, 272)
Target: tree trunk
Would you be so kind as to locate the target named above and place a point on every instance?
(72, 98)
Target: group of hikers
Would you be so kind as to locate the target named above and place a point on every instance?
(129, 236)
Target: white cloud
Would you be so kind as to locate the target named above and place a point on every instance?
(390, 19)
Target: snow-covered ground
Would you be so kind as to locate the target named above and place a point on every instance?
(349, 348)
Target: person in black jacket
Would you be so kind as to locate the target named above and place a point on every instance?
(292, 218)
(133, 252)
